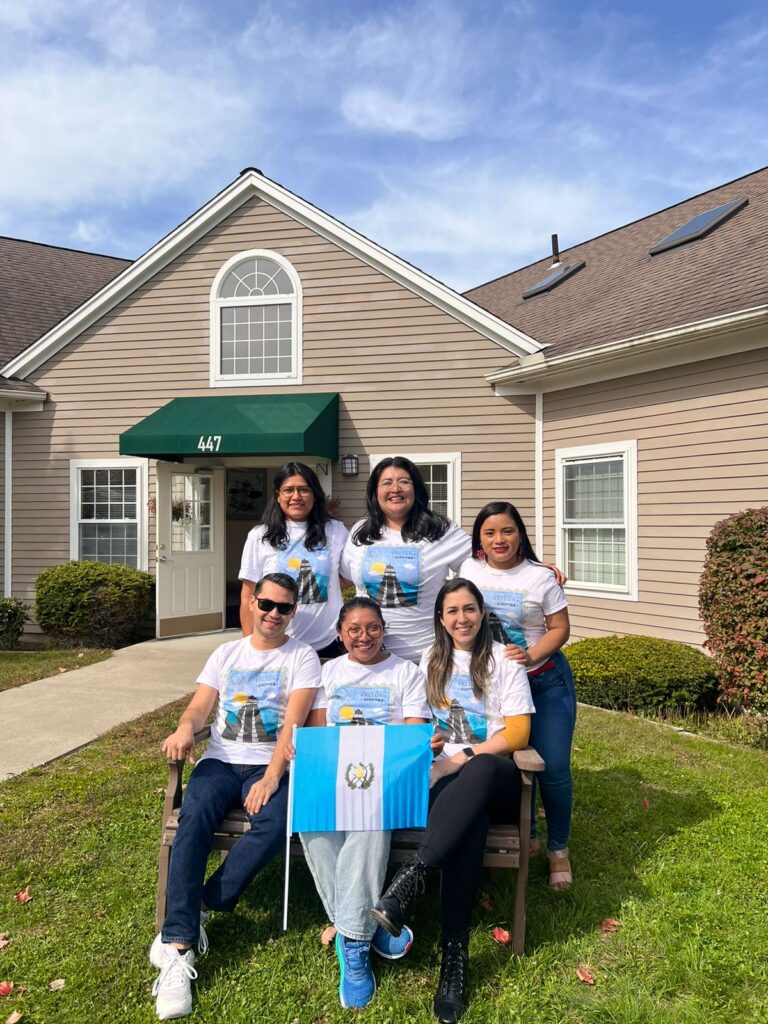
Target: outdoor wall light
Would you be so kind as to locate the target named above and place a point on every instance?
(350, 465)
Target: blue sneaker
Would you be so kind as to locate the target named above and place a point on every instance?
(357, 986)
(389, 947)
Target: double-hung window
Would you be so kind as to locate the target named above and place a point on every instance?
(596, 495)
(256, 321)
(441, 473)
(107, 512)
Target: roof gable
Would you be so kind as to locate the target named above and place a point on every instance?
(248, 185)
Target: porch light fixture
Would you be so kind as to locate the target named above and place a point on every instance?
(350, 465)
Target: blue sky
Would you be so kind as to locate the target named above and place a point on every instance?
(458, 134)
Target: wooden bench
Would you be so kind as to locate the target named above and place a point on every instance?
(507, 846)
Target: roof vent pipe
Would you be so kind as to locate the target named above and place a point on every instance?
(555, 252)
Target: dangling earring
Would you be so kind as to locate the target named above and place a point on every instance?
(480, 555)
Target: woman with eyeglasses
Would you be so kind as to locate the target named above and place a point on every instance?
(481, 704)
(367, 686)
(401, 554)
(529, 614)
(297, 536)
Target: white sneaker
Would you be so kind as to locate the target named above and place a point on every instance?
(156, 957)
(173, 985)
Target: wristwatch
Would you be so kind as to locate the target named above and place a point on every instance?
(468, 752)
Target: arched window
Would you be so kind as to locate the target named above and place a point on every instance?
(256, 321)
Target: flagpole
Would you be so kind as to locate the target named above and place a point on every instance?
(288, 832)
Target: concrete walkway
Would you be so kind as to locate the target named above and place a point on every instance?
(52, 717)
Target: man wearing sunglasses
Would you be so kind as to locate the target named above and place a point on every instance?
(262, 685)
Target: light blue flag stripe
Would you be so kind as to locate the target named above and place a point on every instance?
(314, 780)
(407, 760)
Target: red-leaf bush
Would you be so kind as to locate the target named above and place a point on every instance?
(733, 602)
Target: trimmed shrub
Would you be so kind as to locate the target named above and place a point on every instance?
(733, 602)
(641, 673)
(13, 615)
(91, 604)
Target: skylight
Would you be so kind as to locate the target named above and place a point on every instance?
(699, 226)
(554, 278)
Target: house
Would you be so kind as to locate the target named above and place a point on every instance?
(616, 393)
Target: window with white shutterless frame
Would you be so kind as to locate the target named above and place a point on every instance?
(596, 519)
(255, 324)
(108, 511)
(441, 473)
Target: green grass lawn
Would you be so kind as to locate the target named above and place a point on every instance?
(17, 668)
(670, 838)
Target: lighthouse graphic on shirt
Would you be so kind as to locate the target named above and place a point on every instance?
(392, 576)
(251, 706)
(310, 569)
(464, 720)
(506, 610)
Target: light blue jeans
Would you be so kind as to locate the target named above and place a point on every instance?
(348, 869)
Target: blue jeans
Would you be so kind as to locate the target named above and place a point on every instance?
(554, 697)
(348, 869)
(214, 789)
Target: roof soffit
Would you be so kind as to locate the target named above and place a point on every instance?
(245, 187)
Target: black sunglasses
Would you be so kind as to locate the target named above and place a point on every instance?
(266, 604)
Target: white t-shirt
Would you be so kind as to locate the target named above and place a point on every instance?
(518, 600)
(253, 689)
(404, 580)
(470, 720)
(381, 694)
(316, 572)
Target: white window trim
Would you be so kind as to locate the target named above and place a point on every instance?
(142, 512)
(451, 459)
(628, 450)
(219, 380)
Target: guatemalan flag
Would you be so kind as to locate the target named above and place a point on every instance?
(363, 778)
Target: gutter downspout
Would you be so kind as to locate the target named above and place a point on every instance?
(538, 473)
(8, 507)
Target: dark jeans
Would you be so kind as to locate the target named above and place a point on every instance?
(554, 698)
(215, 788)
(461, 807)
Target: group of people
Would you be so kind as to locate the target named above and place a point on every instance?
(477, 654)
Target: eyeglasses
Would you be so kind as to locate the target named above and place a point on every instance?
(404, 481)
(288, 492)
(355, 632)
(266, 604)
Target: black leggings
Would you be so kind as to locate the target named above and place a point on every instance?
(461, 807)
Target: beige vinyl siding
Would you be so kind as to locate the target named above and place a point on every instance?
(2, 497)
(411, 378)
(702, 454)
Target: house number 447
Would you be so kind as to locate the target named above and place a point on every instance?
(210, 443)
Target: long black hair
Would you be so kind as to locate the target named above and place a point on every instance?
(440, 664)
(422, 523)
(502, 508)
(276, 533)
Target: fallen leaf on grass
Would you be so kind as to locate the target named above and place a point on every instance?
(584, 974)
(501, 935)
(577, 749)
(61, 669)
(80, 655)
(14, 1018)
(486, 902)
(646, 805)
(6, 987)
(57, 985)
(610, 924)
(4, 940)
(24, 896)
(327, 935)
(541, 813)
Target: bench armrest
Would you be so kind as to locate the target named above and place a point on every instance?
(172, 800)
(528, 760)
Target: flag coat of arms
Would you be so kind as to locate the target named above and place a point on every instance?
(364, 778)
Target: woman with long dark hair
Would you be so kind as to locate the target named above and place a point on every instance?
(401, 553)
(297, 536)
(528, 612)
(481, 703)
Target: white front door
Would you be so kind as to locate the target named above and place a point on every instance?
(191, 534)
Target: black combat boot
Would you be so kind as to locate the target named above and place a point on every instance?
(407, 883)
(449, 998)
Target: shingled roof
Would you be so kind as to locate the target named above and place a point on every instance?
(41, 284)
(623, 291)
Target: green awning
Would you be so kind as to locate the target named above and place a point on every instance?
(238, 425)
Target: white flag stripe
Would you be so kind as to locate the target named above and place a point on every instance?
(359, 778)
